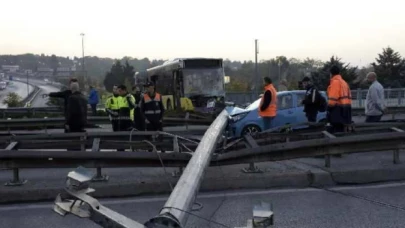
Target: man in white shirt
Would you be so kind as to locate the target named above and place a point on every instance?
(374, 107)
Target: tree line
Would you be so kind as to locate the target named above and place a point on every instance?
(105, 72)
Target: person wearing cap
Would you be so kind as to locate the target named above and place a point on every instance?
(152, 109)
(138, 121)
(126, 105)
(311, 100)
(339, 111)
(112, 108)
(65, 94)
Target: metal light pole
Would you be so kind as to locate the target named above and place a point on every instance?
(28, 87)
(256, 69)
(279, 71)
(83, 69)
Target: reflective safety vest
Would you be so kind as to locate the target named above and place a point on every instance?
(151, 107)
(125, 112)
(112, 104)
(339, 93)
(271, 110)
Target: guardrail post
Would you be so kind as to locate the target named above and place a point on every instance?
(16, 172)
(83, 143)
(327, 156)
(395, 155)
(99, 176)
(176, 149)
(187, 119)
(359, 97)
(251, 143)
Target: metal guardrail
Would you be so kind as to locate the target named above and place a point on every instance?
(393, 97)
(45, 123)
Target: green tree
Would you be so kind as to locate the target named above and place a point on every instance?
(390, 68)
(321, 77)
(119, 74)
(13, 100)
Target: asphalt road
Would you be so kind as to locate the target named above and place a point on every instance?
(17, 87)
(40, 101)
(355, 206)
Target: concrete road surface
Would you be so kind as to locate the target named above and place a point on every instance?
(371, 206)
(17, 87)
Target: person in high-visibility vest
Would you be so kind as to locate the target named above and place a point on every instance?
(126, 105)
(268, 104)
(339, 111)
(112, 108)
(152, 108)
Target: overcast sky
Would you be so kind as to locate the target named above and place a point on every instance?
(354, 30)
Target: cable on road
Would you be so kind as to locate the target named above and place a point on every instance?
(200, 217)
(224, 198)
(377, 202)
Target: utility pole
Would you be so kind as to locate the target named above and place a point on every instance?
(83, 69)
(256, 70)
(28, 87)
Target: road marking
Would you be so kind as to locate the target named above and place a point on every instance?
(227, 194)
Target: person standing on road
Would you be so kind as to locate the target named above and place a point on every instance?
(76, 110)
(375, 107)
(152, 108)
(312, 100)
(268, 103)
(339, 111)
(65, 96)
(126, 107)
(112, 108)
(139, 123)
(93, 100)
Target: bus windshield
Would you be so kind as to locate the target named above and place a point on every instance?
(204, 82)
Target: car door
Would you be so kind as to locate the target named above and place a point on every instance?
(299, 107)
(285, 109)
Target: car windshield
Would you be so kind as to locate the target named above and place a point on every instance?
(254, 105)
(208, 82)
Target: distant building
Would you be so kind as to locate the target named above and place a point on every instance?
(10, 68)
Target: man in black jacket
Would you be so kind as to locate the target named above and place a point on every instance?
(76, 118)
(65, 94)
(139, 123)
(311, 100)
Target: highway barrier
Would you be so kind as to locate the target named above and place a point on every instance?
(40, 151)
(92, 121)
(55, 111)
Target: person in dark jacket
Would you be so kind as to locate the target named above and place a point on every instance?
(152, 109)
(93, 100)
(139, 123)
(76, 110)
(64, 95)
(311, 100)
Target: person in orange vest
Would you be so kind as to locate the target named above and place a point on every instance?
(339, 111)
(152, 109)
(268, 104)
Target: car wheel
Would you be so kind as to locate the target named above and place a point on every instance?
(251, 129)
(168, 105)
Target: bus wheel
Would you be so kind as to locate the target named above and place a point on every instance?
(169, 105)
